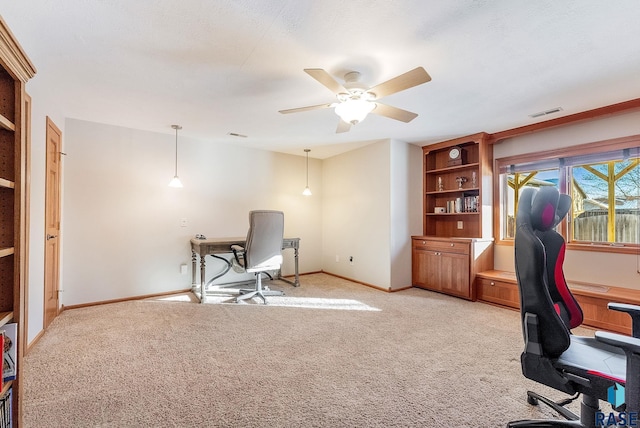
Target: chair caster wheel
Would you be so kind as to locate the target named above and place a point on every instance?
(532, 400)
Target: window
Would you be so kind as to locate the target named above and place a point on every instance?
(604, 183)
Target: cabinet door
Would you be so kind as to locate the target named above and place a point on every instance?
(434, 270)
(419, 268)
(454, 271)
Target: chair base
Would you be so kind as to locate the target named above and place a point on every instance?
(587, 418)
(258, 291)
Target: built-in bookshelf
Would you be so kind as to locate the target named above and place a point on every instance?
(457, 189)
(15, 70)
(457, 239)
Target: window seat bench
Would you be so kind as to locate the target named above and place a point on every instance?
(500, 288)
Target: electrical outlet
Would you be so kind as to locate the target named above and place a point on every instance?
(459, 224)
(337, 258)
(183, 269)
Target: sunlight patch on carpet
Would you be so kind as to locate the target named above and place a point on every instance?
(299, 302)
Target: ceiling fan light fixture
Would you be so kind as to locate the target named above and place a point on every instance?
(354, 111)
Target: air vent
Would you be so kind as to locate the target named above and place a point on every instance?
(235, 134)
(546, 112)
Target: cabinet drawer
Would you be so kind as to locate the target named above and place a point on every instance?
(498, 292)
(596, 314)
(442, 246)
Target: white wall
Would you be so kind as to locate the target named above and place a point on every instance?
(587, 266)
(371, 206)
(356, 217)
(121, 226)
(405, 208)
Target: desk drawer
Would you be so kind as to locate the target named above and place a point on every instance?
(442, 246)
(498, 292)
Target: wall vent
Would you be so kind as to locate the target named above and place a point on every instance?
(546, 112)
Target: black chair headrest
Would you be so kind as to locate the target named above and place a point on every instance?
(548, 208)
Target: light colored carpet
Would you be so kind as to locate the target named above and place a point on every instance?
(359, 357)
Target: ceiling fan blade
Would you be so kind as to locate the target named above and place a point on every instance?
(325, 78)
(299, 109)
(342, 126)
(412, 78)
(394, 113)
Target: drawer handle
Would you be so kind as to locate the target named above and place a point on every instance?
(452, 245)
(424, 242)
(492, 283)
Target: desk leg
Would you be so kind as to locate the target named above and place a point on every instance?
(203, 292)
(296, 283)
(194, 284)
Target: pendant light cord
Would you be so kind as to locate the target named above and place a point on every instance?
(176, 174)
(307, 167)
(176, 127)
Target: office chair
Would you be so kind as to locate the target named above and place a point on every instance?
(262, 251)
(596, 367)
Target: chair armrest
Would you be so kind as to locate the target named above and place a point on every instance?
(626, 343)
(238, 249)
(634, 313)
(631, 347)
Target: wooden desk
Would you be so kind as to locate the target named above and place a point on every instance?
(215, 246)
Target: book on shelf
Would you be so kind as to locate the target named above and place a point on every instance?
(6, 414)
(9, 357)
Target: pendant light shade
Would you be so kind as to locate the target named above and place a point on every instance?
(307, 191)
(175, 181)
(354, 111)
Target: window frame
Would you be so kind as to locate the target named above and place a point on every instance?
(577, 150)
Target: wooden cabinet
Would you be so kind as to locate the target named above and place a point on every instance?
(15, 70)
(457, 192)
(457, 240)
(497, 291)
(449, 265)
(501, 288)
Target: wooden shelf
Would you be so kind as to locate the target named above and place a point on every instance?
(6, 386)
(6, 251)
(7, 124)
(448, 214)
(453, 168)
(5, 317)
(7, 184)
(440, 192)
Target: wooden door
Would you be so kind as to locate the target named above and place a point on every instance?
(52, 223)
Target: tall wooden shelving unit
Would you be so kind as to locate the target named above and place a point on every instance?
(15, 70)
(457, 240)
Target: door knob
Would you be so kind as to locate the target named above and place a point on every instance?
(51, 236)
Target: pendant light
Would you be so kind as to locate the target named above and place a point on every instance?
(175, 181)
(307, 191)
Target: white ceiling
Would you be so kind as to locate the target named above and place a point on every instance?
(220, 66)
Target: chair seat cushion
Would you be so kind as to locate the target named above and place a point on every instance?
(594, 357)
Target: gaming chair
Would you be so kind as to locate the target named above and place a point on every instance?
(597, 367)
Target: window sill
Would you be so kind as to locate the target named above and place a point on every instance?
(603, 248)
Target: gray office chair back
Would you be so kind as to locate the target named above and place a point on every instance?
(263, 250)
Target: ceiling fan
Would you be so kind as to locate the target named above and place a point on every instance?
(355, 100)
